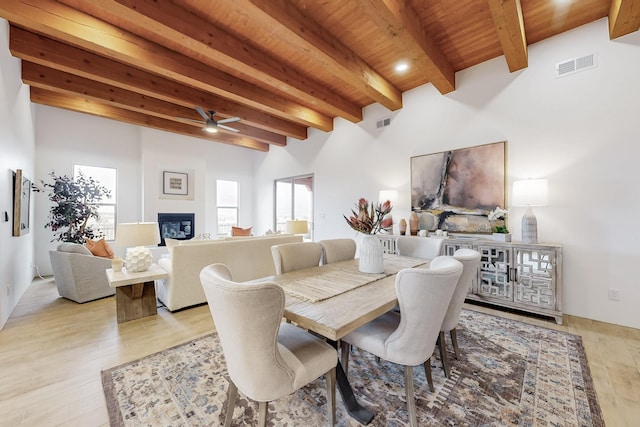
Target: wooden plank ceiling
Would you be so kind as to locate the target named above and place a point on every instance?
(282, 66)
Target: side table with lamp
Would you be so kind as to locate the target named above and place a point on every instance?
(135, 283)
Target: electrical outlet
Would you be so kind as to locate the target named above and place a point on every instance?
(614, 294)
(8, 289)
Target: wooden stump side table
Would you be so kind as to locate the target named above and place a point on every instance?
(135, 292)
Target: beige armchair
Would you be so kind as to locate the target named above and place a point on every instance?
(409, 337)
(470, 260)
(266, 359)
(419, 247)
(296, 256)
(335, 250)
(80, 276)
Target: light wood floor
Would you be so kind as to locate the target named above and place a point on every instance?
(52, 351)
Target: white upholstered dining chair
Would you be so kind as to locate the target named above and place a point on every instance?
(470, 260)
(296, 256)
(266, 359)
(336, 250)
(419, 247)
(409, 337)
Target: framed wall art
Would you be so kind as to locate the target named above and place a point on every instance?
(21, 201)
(175, 183)
(455, 190)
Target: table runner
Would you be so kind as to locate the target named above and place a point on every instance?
(320, 283)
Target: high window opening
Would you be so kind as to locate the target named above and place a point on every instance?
(227, 205)
(107, 207)
(294, 200)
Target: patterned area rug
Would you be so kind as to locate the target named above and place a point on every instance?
(510, 373)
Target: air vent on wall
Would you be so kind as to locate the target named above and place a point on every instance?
(383, 123)
(574, 65)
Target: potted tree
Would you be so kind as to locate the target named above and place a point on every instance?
(74, 204)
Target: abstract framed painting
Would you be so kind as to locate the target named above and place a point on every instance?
(455, 190)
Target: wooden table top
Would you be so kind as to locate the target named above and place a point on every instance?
(124, 277)
(339, 315)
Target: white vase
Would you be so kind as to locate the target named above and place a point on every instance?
(371, 254)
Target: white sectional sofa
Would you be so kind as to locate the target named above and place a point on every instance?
(248, 258)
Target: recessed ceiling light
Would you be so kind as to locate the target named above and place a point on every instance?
(402, 66)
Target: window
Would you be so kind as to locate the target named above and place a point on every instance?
(106, 225)
(294, 200)
(227, 203)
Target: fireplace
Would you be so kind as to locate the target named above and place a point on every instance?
(180, 226)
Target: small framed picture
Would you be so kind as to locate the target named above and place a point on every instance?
(176, 183)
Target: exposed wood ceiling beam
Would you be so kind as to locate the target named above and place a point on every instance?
(77, 28)
(82, 105)
(399, 22)
(316, 43)
(61, 82)
(182, 31)
(507, 16)
(624, 17)
(41, 50)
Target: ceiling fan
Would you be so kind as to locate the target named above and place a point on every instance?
(212, 125)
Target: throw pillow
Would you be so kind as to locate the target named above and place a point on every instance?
(74, 248)
(99, 248)
(237, 231)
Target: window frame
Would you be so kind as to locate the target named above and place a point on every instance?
(77, 168)
(221, 231)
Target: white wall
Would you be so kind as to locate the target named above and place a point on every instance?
(578, 131)
(17, 145)
(209, 162)
(64, 139)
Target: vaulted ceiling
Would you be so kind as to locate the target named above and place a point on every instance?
(282, 66)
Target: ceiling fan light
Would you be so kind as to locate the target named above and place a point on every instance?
(210, 128)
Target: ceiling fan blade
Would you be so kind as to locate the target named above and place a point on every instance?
(202, 113)
(227, 128)
(229, 120)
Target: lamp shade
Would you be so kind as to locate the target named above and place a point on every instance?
(530, 192)
(298, 226)
(137, 234)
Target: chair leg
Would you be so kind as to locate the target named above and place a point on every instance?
(330, 378)
(427, 372)
(443, 354)
(232, 395)
(454, 340)
(262, 414)
(410, 395)
(345, 348)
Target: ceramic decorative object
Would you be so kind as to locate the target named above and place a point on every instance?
(116, 264)
(413, 223)
(371, 254)
(403, 226)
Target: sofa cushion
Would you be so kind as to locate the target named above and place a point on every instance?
(99, 248)
(75, 248)
(237, 231)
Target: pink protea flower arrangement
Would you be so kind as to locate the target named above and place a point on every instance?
(369, 218)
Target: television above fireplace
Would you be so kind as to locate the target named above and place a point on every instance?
(179, 226)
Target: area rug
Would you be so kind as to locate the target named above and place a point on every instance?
(510, 373)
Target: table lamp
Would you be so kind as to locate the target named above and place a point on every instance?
(297, 226)
(134, 236)
(530, 192)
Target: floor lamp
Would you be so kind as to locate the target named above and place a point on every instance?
(530, 192)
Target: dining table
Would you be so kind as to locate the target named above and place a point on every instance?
(335, 299)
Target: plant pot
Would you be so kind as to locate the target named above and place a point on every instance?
(502, 237)
(371, 254)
